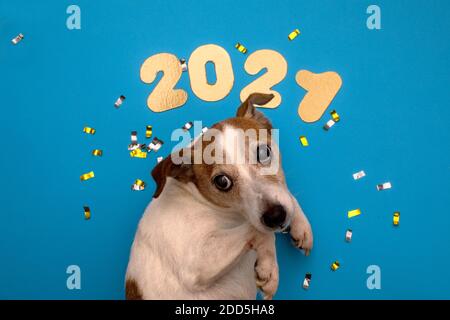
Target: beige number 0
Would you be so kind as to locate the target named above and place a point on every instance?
(224, 72)
(276, 67)
(164, 97)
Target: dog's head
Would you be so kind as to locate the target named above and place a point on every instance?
(236, 165)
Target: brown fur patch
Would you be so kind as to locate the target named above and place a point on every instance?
(132, 291)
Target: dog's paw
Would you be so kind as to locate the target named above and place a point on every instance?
(302, 236)
(266, 272)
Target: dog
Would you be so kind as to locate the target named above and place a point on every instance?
(209, 232)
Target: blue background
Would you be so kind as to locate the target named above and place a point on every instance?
(394, 107)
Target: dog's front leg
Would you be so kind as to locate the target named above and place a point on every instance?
(301, 232)
(266, 267)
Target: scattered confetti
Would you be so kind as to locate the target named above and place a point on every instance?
(87, 176)
(187, 126)
(97, 152)
(354, 213)
(358, 175)
(383, 186)
(155, 145)
(328, 125)
(148, 131)
(304, 141)
(241, 48)
(87, 213)
(348, 235)
(89, 130)
(183, 64)
(396, 218)
(204, 130)
(335, 116)
(335, 265)
(159, 159)
(293, 34)
(134, 144)
(17, 39)
(138, 153)
(138, 185)
(307, 281)
(119, 101)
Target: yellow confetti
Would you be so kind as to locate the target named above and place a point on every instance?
(89, 130)
(87, 213)
(335, 116)
(241, 48)
(87, 176)
(138, 153)
(148, 132)
(97, 152)
(335, 265)
(304, 141)
(138, 185)
(396, 218)
(293, 34)
(354, 213)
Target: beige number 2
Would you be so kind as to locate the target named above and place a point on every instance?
(164, 97)
(276, 67)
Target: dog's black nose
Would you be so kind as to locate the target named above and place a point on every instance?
(274, 216)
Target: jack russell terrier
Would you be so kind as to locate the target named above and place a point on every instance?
(209, 231)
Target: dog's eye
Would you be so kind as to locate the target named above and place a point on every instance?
(223, 182)
(264, 154)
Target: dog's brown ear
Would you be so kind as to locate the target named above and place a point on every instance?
(166, 168)
(248, 110)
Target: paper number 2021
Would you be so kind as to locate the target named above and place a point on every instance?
(321, 88)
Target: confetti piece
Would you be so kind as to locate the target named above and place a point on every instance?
(328, 125)
(204, 130)
(304, 141)
(138, 153)
(155, 145)
(307, 281)
(383, 186)
(335, 116)
(138, 185)
(183, 64)
(119, 101)
(348, 235)
(87, 176)
(134, 144)
(241, 48)
(187, 126)
(17, 39)
(159, 159)
(358, 175)
(87, 213)
(148, 131)
(335, 265)
(396, 218)
(293, 34)
(354, 213)
(89, 130)
(97, 152)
